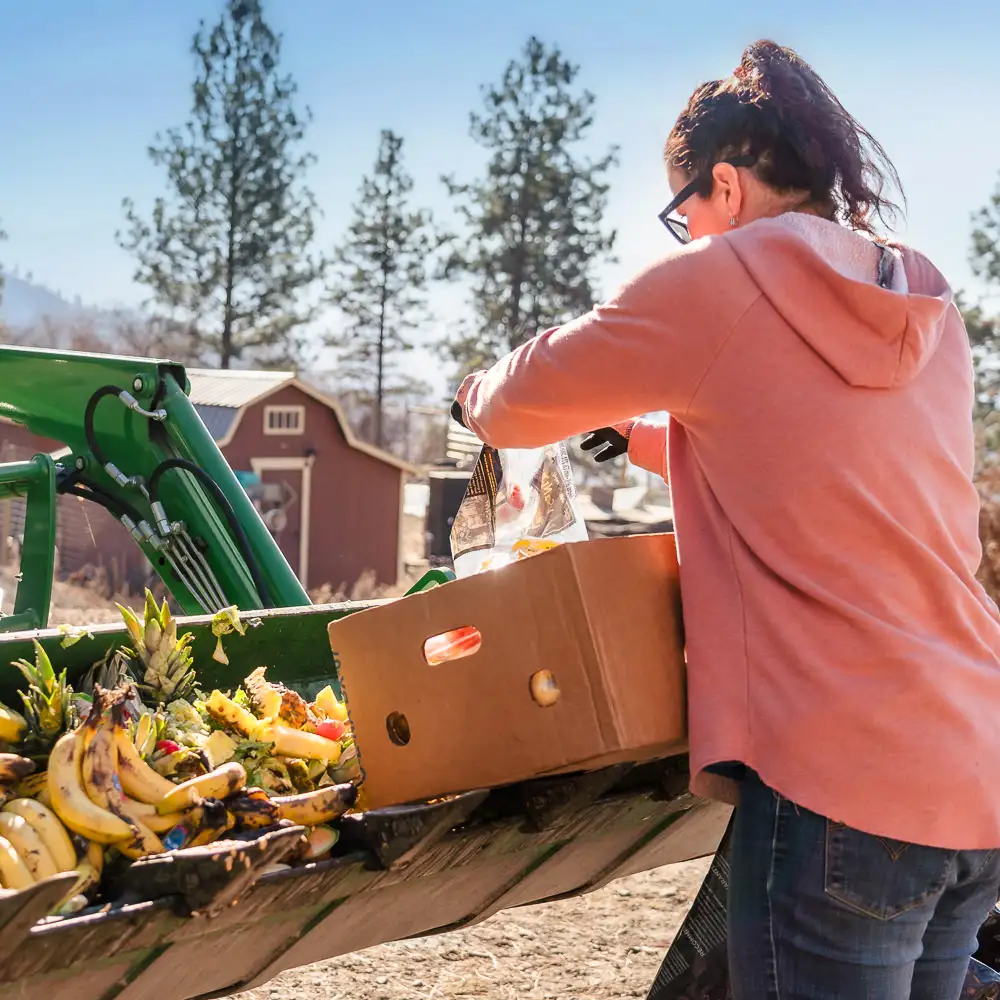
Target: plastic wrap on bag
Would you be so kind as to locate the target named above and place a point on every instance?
(696, 966)
(981, 983)
(518, 502)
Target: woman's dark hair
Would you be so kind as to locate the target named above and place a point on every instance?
(776, 108)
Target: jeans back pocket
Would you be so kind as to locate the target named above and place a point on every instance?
(879, 877)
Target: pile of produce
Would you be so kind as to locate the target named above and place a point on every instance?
(139, 761)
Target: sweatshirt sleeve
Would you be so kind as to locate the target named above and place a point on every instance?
(646, 350)
(647, 447)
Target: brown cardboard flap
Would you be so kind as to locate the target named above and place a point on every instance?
(636, 629)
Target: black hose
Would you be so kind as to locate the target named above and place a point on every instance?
(242, 542)
(80, 487)
(88, 420)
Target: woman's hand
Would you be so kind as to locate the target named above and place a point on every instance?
(609, 442)
(458, 406)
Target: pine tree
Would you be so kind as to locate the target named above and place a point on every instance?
(535, 219)
(227, 253)
(983, 328)
(381, 273)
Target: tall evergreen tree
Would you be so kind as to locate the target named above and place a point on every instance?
(983, 328)
(379, 282)
(227, 252)
(534, 221)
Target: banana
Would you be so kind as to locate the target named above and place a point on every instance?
(28, 788)
(138, 779)
(209, 820)
(70, 801)
(253, 809)
(14, 873)
(30, 847)
(47, 825)
(14, 768)
(89, 869)
(13, 725)
(217, 784)
(144, 813)
(318, 807)
(290, 742)
(100, 779)
(144, 843)
(44, 797)
(100, 768)
(5, 795)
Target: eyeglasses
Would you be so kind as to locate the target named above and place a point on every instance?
(677, 227)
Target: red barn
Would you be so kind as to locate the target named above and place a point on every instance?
(333, 503)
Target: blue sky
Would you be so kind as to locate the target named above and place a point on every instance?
(87, 85)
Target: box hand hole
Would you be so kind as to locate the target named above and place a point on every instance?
(398, 728)
(453, 645)
(544, 688)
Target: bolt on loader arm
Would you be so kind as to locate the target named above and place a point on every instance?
(136, 446)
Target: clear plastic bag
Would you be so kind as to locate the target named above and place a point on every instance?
(518, 502)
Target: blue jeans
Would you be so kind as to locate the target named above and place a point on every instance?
(819, 911)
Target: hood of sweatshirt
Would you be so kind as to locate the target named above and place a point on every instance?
(823, 280)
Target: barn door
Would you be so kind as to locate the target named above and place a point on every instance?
(282, 499)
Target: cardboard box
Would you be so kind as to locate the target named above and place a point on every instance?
(602, 616)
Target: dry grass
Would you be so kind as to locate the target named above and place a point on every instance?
(601, 946)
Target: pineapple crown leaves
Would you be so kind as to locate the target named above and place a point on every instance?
(166, 660)
(48, 700)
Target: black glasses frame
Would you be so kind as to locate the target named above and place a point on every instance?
(678, 228)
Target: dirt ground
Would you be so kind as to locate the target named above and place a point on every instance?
(71, 605)
(604, 945)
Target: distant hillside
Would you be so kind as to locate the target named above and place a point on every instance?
(26, 303)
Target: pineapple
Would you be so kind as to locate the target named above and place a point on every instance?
(48, 703)
(163, 661)
(274, 701)
(114, 673)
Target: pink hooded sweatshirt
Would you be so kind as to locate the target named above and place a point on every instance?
(820, 457)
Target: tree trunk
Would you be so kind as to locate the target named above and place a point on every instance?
(380, 376)
(226, 346)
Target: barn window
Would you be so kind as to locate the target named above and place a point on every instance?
(284, 419)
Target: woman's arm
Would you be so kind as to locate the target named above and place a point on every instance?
(648, 349)
(647, 447)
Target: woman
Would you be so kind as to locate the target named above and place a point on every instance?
(844, 678)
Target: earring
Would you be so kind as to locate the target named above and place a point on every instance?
(734, 221)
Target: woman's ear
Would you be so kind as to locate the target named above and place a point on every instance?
(727, 188)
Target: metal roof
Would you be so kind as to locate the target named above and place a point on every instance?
(233, 389)
(217, 419)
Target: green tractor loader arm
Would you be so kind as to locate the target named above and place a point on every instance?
(137, 447)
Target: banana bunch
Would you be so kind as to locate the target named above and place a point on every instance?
(164, 660)
(102, 789)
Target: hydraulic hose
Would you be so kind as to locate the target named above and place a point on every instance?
(88, 420)
(213, 488)
(91, 491)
